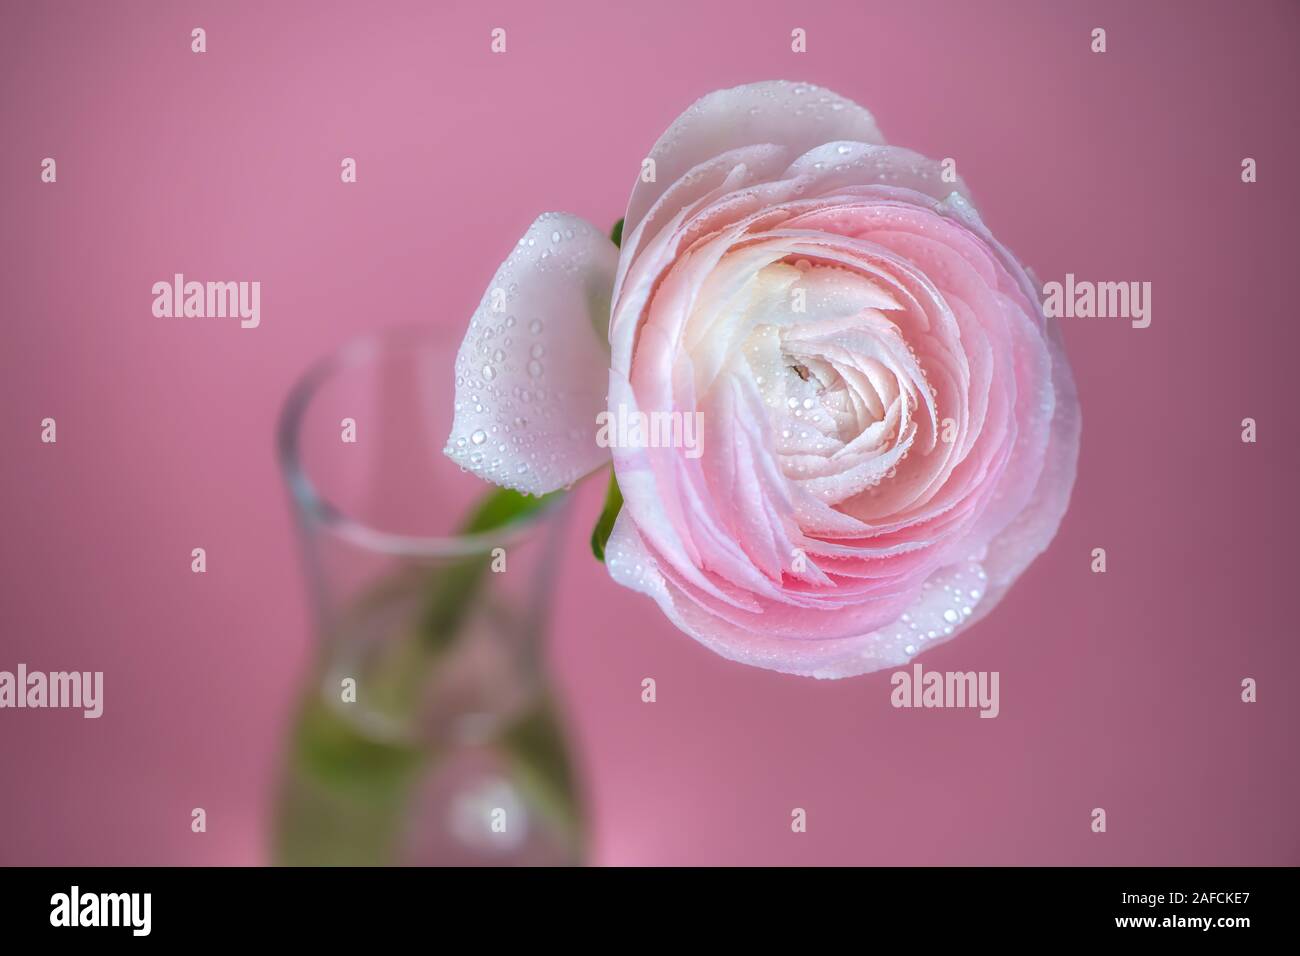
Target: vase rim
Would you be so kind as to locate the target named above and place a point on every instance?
(324, 513)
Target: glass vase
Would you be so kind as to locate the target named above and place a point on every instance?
(427, 732)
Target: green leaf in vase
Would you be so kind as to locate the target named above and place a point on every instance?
(344, 797)
(540, 759)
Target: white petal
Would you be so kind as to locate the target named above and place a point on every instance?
(797, 116)
(533, 370)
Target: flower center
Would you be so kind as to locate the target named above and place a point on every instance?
(838, 383)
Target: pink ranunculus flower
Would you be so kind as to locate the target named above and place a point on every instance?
(890, 427)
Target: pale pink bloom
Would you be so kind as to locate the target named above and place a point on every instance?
(890, 427)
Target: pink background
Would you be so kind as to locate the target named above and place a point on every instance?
(1118, 690)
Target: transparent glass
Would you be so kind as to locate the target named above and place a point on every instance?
(428, 733)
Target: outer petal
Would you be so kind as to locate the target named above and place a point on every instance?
(533, 370)
(797, 116)
(1028, 536)
(936, 616)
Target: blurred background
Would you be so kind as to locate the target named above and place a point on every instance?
(1119, 690)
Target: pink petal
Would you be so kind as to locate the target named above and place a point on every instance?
(793, 645)
(1029, 534)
